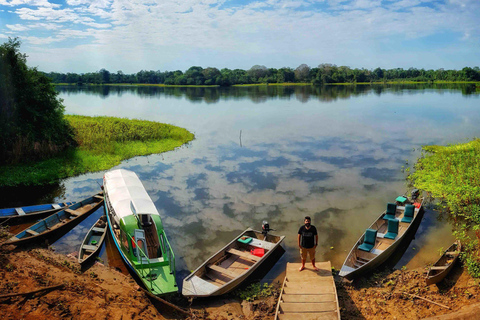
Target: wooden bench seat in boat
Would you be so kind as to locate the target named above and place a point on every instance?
(451, 253)
(243, 254)
(89, 247)
(72, 212)
(438, 268)
(31, 232)
(98, 197)
(96, 229)
(222, 270)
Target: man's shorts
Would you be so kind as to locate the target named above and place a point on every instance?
(309, 251)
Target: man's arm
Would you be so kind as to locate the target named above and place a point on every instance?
(299, 242)
(316, 240)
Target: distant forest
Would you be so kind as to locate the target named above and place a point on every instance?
(323, 74)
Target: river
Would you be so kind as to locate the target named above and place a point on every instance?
(337, 154)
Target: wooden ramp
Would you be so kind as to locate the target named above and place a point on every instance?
(309, 294)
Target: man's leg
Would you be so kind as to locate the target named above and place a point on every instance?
(303, 256)
(312, 256)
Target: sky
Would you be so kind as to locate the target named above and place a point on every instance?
(132, 35)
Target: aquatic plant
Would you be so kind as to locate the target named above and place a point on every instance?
(452, 174)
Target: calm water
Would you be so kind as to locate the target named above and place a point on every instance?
(279, 154)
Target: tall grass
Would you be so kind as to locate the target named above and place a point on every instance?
(103, 142)
(452, 174)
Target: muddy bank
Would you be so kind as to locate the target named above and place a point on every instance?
(404, 295)
(104, 293)
(98, 293)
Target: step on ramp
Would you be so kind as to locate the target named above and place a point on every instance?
(308, 294)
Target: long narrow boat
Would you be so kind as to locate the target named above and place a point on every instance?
(439, 270)
(359, 262)
(231, 265)
(31, 212)
(58, 223)
(93, 241)
(137, 230)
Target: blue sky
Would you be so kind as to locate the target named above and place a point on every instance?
(87, 35)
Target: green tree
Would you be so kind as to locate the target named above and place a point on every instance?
(32, 125)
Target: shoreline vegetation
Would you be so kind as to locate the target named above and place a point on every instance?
(324, 74)
(102, 143)
(40, 145)
(451, 174)
(286, 84)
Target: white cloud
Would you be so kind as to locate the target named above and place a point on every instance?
(43, 40)
(17, 27)
(278, 32)
(36, 3)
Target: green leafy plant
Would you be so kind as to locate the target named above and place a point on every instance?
(256, 291)
(452, 175)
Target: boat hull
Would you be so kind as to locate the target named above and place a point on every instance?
(31, 212)
(382, 258)
(49, 231)
(188, 282)
(432, 279)
(137, 231)
(95, 234)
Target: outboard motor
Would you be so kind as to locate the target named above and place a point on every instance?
(415, 193)
(266, 229)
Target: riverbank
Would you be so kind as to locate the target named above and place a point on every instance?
(102, 292)
(287, 84)
(403, 294)
(103, 142)
(452, 175)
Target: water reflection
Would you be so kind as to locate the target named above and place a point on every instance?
(333, 153)
(263, 93)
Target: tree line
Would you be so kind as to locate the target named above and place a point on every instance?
(323, 74)
(32, 125)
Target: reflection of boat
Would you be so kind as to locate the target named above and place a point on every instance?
(58, 223)
(137, 231)
(384, 236)
(93, 241)
(439, 270)
(231, 265)
(31, 212)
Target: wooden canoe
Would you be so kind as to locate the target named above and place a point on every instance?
(439, 270)
(231, 265)
(17, 215)
(359, 262)
(93, 241)
(58, 223)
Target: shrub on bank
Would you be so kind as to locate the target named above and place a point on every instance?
(452, 174)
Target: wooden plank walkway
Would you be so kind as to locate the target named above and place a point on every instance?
(309, 294)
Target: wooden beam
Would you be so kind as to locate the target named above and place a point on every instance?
(60, 286)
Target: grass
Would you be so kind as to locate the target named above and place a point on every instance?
(103, 142)
(452, 174)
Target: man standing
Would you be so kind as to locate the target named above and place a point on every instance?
(307, 242)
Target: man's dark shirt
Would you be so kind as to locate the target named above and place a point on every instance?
(307, 239)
